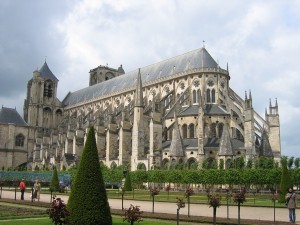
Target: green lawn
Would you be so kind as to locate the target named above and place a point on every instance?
(198, 198)
(47, 221)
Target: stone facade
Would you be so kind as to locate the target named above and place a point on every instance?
(180, 110)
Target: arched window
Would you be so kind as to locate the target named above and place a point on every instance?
(184, 131)
(113, 165)
(192, 130)
(207, 95)
(20, 140)
(178, 96)
(213, 96)
(228, 163)
(141, 166)
(48, 89)
(213, 130)
(195, 97)
(198, 95)
(167, 101)
(220, 129)
(165, 134)
(192, 163)
(170, 133)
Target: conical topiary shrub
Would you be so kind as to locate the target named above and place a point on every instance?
(285, 181)
(88, 204)
(54, 185)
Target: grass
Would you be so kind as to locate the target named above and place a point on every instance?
(47, 221)
(197, 198)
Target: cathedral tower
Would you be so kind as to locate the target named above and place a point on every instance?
(249, 129)
(41, 105)
(272, 120)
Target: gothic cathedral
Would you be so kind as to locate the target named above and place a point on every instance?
(177, 111)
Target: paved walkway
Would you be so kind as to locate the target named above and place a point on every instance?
(258, 213)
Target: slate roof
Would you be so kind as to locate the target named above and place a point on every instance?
(193, 110)
(265, 147)
(198, 58)
(176, 149)
(208, 143)
(214, 109)
(225, 147)
(46, 72)
(11, 116)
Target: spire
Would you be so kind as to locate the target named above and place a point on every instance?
(139, 91)
(176, 149)
(270, 104)
(46, 72)
(266, 112)
(250, 96)
(246, 98)
(276, 104)
(227, 68)
(225, 148)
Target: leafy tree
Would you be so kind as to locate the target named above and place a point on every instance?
(221, 164)
(88, 202)
(290, 162)
(285, 182)
(215, 202)
(205, 164)
(133, 214)
(240, 163)
(127, 184)
(54, 185)
(269, 163)
(249, 164)
(297, 163)
(214, 165)
(261, 162)
(58, 212)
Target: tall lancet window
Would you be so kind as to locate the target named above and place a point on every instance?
(48, 89)
(208, 95)
(195, 97)
(184, 131)
(220, 129)
(213, 96)
(192, 130)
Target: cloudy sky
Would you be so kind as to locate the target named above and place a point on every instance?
(260, 40)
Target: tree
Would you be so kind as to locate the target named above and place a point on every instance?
(240, 163)
(127, 184)
(88, 202)
(290, 162)
(153, 191)
(297, 163)
(54, 185)
(133, 214)
(58, 212)
(240, 198)
(215, 202)
(249, 163)
(221, 164)
(285, 181)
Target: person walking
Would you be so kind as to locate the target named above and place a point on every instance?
(37, 190)
(22, 188)
(291, 200)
